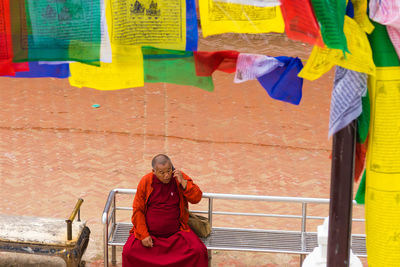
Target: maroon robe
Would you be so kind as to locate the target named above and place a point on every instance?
(171, 247)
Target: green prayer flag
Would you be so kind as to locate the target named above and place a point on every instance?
(363, 120)
(360, 196)
(19, 32)
(384, 53)
(68, 30)
(330, 15)
(171, 66)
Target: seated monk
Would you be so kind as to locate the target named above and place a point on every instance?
(160, 235)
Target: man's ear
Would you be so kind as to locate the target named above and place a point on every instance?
(153, 170)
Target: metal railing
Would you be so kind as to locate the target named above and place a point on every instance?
(76, 210)
(109, 213)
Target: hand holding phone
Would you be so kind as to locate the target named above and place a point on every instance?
(178, 175)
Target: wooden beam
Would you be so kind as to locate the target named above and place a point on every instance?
(341, 196)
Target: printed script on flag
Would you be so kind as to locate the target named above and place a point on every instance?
(158, 23)
(222, 17)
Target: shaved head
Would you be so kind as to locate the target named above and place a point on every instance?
(160, 159)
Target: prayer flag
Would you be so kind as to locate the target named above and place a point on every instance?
(251, 66)
(384, 53)
(37, 70)
(6, 66)
(363, 120)
(330, 14)
(383, 169)
(385, 12)
(169, 66)
(360, 196)
(300, 22)
(383, 165)
(62, 30)
(360, 58)
(360, 15)
(388, 13)
(259, 3)
(394, 34)
(19, 30)
(208, 62)
(168, 24)
(348, 89)
(359, 161)
(126, 71)
(283, 83)
(222, 17)
(22, 66)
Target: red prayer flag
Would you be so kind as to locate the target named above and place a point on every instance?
(300, 22)
(20, 67)
(361, 151)
(208, 62)
(6, 52)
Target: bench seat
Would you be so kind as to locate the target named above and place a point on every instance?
(278, 240)
(251, 240)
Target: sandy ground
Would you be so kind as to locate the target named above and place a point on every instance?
(55, 147)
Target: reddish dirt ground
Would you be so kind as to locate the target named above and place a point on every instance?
(55, 147)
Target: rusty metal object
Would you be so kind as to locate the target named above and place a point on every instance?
(71, 218)
(71, 253)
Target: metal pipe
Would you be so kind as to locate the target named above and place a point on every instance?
(341, 195)
(266, 198)
(104, 218)
(225, 196)
(210, 218)
(105, 245)
(303, 224)
(250, 214)
(113, 248)
(303, 229)
(75, 211)
(210, 211)
(72, 217)
(69, 229)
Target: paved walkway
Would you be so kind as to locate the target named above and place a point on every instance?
(55, 147)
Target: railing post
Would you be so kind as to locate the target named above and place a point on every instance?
(210, 218)
(72, 217)
(113, 248)
(210, 210)
(106, 243)
(69, 229)
(303, 229)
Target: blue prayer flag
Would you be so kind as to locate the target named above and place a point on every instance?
(283, 83)
(37, 70)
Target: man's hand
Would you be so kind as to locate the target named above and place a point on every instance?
(178, 175)
(147, 242)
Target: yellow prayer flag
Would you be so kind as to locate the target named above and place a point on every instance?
(222, 17)
(360, 15)
(125, 71)
(160, 23)
(382, 196)
(360, 58)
